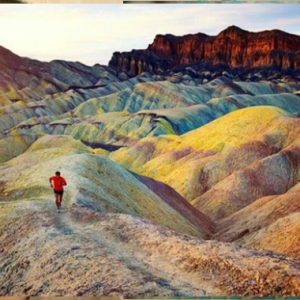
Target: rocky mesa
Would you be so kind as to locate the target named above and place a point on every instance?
(232, 47)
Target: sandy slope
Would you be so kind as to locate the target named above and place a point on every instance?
(269, 223)
(80, 252)
(67, 256)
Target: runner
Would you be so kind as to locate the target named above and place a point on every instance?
(57, 182)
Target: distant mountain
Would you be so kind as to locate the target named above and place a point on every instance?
(232, 47)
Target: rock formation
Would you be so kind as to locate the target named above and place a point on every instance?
(233, 47)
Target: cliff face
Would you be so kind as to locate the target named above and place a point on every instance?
(233, 46)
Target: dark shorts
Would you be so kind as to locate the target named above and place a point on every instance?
(58, 192)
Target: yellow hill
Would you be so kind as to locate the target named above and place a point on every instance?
(186, 162)
(94, 182)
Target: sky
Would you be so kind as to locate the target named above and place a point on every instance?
(91, 33)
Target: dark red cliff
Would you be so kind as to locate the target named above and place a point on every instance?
(233, 46)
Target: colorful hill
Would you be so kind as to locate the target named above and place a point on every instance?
(181, 183)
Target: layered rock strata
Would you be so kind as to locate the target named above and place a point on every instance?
(232, 47)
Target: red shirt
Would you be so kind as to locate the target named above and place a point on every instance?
(58, 183)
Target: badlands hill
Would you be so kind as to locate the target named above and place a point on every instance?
(178, 185)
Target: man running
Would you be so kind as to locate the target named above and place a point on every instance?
(57, 182)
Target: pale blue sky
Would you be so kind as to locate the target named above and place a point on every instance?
(91, 33)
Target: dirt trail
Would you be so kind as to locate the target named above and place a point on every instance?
(162, 273)
(169, 278)
(80, 252)
(85, 258)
